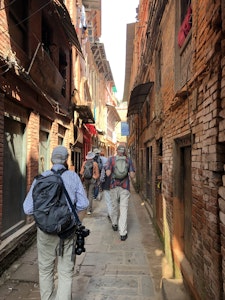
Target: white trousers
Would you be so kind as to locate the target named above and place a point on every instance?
(107, 198)
(120, 199)
(47, 246)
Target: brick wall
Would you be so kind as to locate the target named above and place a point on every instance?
(196, 114)
(221, 139)
(25, 102)
(1, 154)
(32, 147)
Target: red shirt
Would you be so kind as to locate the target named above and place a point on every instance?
(124, 183)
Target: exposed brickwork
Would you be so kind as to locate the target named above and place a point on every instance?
(207, 161)
(221, 139)
(30, 99)
(32, 147)
(192, 93)
(1, 154)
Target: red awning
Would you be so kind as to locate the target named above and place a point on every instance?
(91, 128)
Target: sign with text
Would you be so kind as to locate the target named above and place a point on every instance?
(124, 129)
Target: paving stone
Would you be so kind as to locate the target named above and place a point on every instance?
(110, 269)
(127, 270)
(29, 271)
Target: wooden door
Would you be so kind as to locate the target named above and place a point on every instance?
(149, 174)
(14, 180)
(187, 199)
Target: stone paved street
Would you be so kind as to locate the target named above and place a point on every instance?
(110, 269)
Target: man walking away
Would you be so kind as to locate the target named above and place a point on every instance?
(98, 159)
(47, 244)
(120, 167)
(90, 174)
(105, 187)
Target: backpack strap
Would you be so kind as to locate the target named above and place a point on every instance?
(60, 172)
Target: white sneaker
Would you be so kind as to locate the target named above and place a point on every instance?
(88, 213)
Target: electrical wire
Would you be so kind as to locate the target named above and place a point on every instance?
(3, 66)
(4, 71)
(8, 5)
(25, 19)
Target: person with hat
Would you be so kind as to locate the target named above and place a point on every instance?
(90, 174)
(47, 244)
(120, 168)
(105, 187)
(99, 160)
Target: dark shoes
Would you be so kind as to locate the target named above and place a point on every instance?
(123, 237)
(115, 227)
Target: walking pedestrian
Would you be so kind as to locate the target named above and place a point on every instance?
(120, 167)
(47, 244)
(90, 174)
(105, 187)
(98, 160)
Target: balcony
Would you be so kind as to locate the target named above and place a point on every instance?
(46, 75)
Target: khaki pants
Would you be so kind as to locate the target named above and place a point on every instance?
(119, 199)
(47, 246)
(89, 185)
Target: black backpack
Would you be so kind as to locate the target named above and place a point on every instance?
(51, 211)
(88, 169)
(98, 160)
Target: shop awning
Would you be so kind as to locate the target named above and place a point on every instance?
(67, 25)
(138, 97)
(85, 114)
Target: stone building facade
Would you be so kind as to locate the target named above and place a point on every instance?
(176, 117)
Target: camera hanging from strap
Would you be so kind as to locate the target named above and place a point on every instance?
(80, 231)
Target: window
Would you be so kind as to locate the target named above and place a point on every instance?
(183, 49)
(148, 110)
(158, 68)
(185, 21)
(61, 134)
(18, 22)
(62, 70)
(46, 36)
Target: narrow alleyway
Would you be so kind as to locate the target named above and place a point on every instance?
(109, 269)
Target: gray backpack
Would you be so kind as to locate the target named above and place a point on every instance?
(121, 167)
(88, 169)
